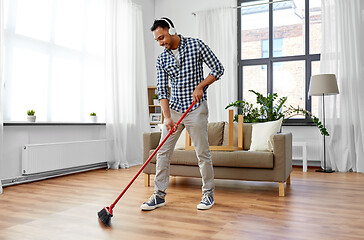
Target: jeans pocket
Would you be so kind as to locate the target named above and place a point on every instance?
(205, 109)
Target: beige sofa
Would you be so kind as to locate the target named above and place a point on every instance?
(273, 166)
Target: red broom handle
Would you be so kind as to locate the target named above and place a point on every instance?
(151, 156)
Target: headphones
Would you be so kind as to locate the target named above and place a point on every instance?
(172, 30)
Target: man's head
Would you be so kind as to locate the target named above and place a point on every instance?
(165, 33)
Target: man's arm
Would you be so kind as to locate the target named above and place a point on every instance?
(162, 81)
(163, 95)
(217, 70)
(208, 57)
(168, 121)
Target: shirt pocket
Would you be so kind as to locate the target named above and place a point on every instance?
(172, 70)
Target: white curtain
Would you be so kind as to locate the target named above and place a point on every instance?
(343, 54)
(217, 28)
(126, 84)
(54, 60)
(1, 85)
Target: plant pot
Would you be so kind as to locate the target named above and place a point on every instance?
(31, 118)
(93, 119)
(155, 102)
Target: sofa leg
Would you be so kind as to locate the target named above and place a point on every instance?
(281, 189)
(146, 180)
(288, 180)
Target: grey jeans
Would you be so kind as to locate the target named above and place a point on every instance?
(196, 125)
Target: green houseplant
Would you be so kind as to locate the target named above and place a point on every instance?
(31, 115)
(93, 117)
(269, 110)
(155, 99)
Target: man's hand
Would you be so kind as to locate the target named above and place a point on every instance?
(169, 123)
(197, 94)
(199, 90)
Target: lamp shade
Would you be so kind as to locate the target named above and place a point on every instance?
(323, 84)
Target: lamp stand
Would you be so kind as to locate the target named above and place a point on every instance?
(323, 111)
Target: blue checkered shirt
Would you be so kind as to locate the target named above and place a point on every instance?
(184, 78)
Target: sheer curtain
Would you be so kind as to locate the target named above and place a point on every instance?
(1, 86)
(217, 28)
(126, 84)
(54, 59)
(343, 54)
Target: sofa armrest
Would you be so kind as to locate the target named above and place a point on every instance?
(150, 141)
(282, 152)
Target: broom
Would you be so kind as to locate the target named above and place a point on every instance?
(107, 212)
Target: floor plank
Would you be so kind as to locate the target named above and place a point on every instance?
(316, 206)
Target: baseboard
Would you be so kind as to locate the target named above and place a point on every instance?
(51, 174)
(309, 163)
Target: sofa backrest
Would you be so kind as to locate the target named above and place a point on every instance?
(247, 135)
(218, 135)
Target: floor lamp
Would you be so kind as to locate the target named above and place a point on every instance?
(321, 85)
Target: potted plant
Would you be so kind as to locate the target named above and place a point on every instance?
(93, 117)
(155, 99)
(269, 110)
(31, 116)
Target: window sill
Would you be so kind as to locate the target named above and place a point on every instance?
(51, 123)
(288, 124)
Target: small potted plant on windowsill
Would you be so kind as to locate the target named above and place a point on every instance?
(31, 116)
(93, 117)
(155, 99)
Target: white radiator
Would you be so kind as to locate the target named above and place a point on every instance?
(37, 158)
(313, 150)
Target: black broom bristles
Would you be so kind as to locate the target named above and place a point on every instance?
(105, 216)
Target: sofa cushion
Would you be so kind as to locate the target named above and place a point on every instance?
(247, 134)
(246, 159)
(216, 133)
(262, 135)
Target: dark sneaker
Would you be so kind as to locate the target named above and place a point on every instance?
(153, 203)
(206, 202)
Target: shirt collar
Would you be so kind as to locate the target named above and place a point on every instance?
(182, 45)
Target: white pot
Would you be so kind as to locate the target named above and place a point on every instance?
(93, 119)
(31, 118)
(155, 102)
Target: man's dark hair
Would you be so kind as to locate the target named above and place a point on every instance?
(161, 23)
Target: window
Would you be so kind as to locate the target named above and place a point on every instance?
(54, 59)
(279, 50)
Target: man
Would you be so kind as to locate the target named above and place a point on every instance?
(181, 64)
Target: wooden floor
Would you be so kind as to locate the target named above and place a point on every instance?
(316, 206)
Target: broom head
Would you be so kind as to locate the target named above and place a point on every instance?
(105, 216)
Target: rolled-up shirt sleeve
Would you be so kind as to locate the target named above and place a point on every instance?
(162, 81)
(217, 70)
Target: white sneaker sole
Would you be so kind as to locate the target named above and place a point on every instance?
(204, 207)
(146, 207)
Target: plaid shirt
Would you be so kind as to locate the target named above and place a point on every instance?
(186, 77)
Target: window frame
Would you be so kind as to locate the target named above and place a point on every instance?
(307, 57)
